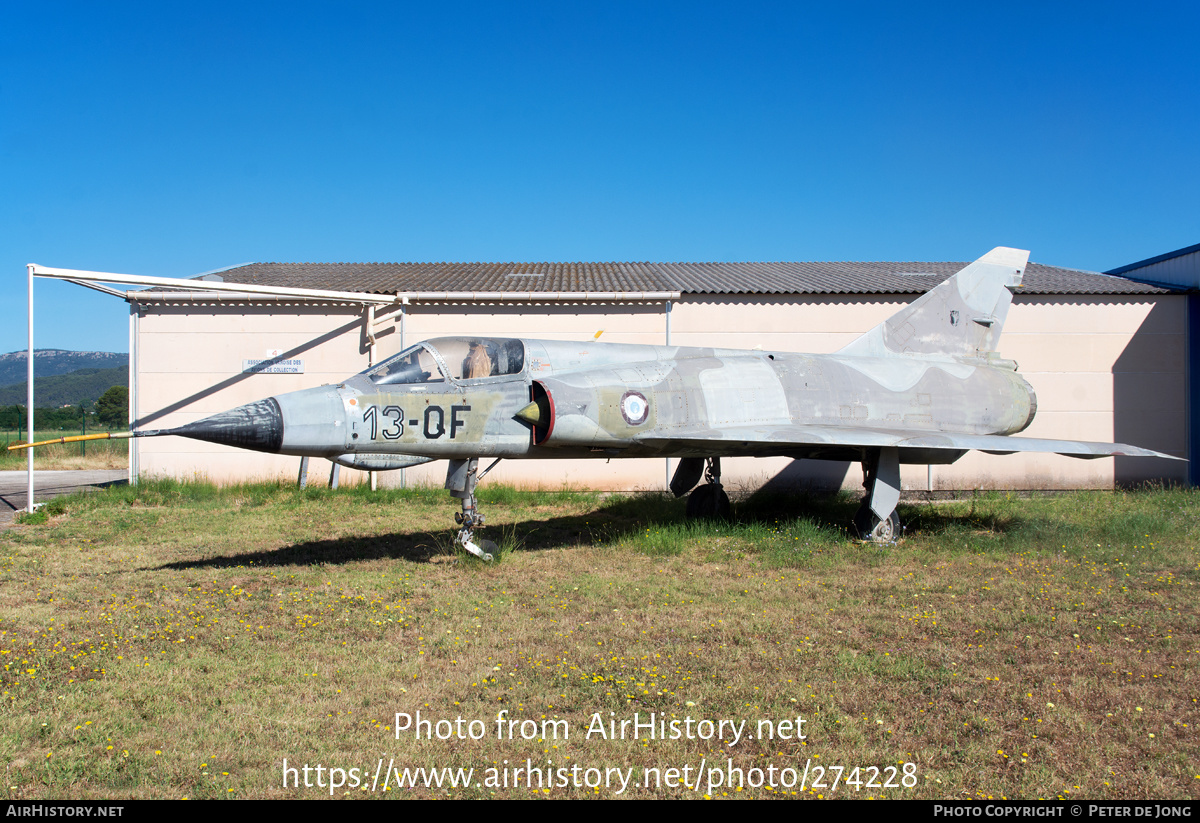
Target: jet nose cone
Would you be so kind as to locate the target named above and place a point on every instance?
(257, 426)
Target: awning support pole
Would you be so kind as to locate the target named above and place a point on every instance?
(29, 400)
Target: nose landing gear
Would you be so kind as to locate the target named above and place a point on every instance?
(461, 479)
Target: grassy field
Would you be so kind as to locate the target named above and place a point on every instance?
(95, 454)
(186, 641)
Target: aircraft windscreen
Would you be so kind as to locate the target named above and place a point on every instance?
(413, 365)
(470, 358)
(466, 358)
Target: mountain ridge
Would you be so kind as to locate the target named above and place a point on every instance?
(53, 362)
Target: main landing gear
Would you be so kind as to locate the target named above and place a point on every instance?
(707, 502)
(461, 478)
(876, 520)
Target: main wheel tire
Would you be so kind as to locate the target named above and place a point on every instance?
(873, 530)
(708, 502)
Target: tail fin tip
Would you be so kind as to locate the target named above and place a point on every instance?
(962, 317)
(1005, 256)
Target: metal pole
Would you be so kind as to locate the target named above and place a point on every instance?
(370, 323)
(29, 400)
(667, 460)
(403, 315)
(135, 366)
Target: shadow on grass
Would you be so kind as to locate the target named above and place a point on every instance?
(946, 518)
(617, 520)
(414, 548)
(608, 524)
(654, 523)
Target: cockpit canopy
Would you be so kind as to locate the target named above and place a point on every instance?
(456, 358)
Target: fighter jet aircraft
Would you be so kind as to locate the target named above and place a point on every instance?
(926, 386)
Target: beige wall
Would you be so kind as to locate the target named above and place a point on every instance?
(1103, 368)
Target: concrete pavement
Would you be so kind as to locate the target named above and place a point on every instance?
(13, 487)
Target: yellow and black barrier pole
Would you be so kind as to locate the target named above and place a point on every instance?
(77, 438)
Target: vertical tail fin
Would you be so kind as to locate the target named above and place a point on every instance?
(962, 317)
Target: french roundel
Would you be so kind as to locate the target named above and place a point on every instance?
(634, 408)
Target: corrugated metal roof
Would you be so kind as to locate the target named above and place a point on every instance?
(693, 278)
(1179, 269)
(1149, 261)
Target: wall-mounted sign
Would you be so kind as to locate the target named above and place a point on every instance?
(273, 363)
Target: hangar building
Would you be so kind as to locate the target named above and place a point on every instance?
(1106, 355)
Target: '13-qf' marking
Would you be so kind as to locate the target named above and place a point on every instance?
(434, 424)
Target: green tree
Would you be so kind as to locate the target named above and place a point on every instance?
(113, 407)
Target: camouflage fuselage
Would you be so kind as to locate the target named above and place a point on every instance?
(637, 401)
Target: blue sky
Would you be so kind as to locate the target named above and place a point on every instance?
(171, 139)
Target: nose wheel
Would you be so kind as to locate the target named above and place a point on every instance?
(484, 549)
(471, 520)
